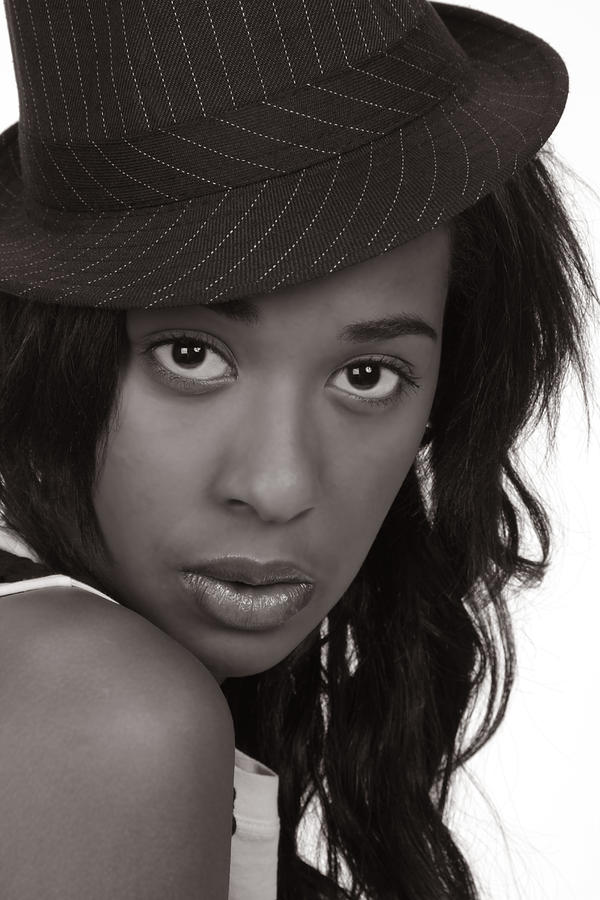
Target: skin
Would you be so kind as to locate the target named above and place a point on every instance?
(271, 455)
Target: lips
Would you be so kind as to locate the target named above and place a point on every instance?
(242, 593)
(248, 571)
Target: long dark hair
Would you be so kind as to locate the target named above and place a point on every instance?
(369, 714)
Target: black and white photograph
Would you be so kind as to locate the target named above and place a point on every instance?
(299, 450)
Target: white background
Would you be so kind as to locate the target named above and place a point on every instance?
(541, 771)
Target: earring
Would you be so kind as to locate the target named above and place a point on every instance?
(427, 435)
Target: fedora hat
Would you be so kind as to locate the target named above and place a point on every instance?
(182, 152)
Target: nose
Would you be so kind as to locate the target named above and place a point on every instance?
(271, 464)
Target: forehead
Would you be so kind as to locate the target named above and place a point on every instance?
(410, 279)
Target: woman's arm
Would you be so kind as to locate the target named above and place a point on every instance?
(116, 756)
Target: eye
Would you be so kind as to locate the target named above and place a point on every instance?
(376, 380)
(189, 359)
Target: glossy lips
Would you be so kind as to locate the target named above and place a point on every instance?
(248, 594)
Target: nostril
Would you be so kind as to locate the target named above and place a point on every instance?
(234, 502)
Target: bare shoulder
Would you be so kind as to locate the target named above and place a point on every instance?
(71, 631)
(117, 753)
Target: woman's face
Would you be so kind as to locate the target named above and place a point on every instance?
(279, 429)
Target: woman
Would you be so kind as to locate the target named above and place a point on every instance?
(282, 288)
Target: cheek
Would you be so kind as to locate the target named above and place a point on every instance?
(370, 474)
(143, 488)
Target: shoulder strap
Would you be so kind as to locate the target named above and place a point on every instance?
(20, 568)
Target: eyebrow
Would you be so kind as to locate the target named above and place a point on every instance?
(387, 327)
(356, 332)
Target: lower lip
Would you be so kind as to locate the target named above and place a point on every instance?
(248, 606)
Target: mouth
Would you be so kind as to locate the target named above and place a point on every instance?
(242, 570)
(246, 594)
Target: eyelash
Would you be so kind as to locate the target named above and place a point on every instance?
(408, 381)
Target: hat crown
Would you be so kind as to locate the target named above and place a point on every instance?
(99, 70)
(175, 152)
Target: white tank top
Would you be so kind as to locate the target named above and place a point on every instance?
(253, 870)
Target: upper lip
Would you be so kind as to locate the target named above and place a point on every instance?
(251, 571)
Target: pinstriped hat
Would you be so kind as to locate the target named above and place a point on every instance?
(181, 152)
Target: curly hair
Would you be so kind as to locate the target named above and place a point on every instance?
(369, 713)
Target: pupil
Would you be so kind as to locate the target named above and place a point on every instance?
(186, 354)
(364, 375)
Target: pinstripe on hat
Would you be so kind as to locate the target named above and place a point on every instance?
(180, 152)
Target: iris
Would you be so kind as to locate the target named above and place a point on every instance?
(364, 375)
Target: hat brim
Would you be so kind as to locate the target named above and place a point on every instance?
(306, 224)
